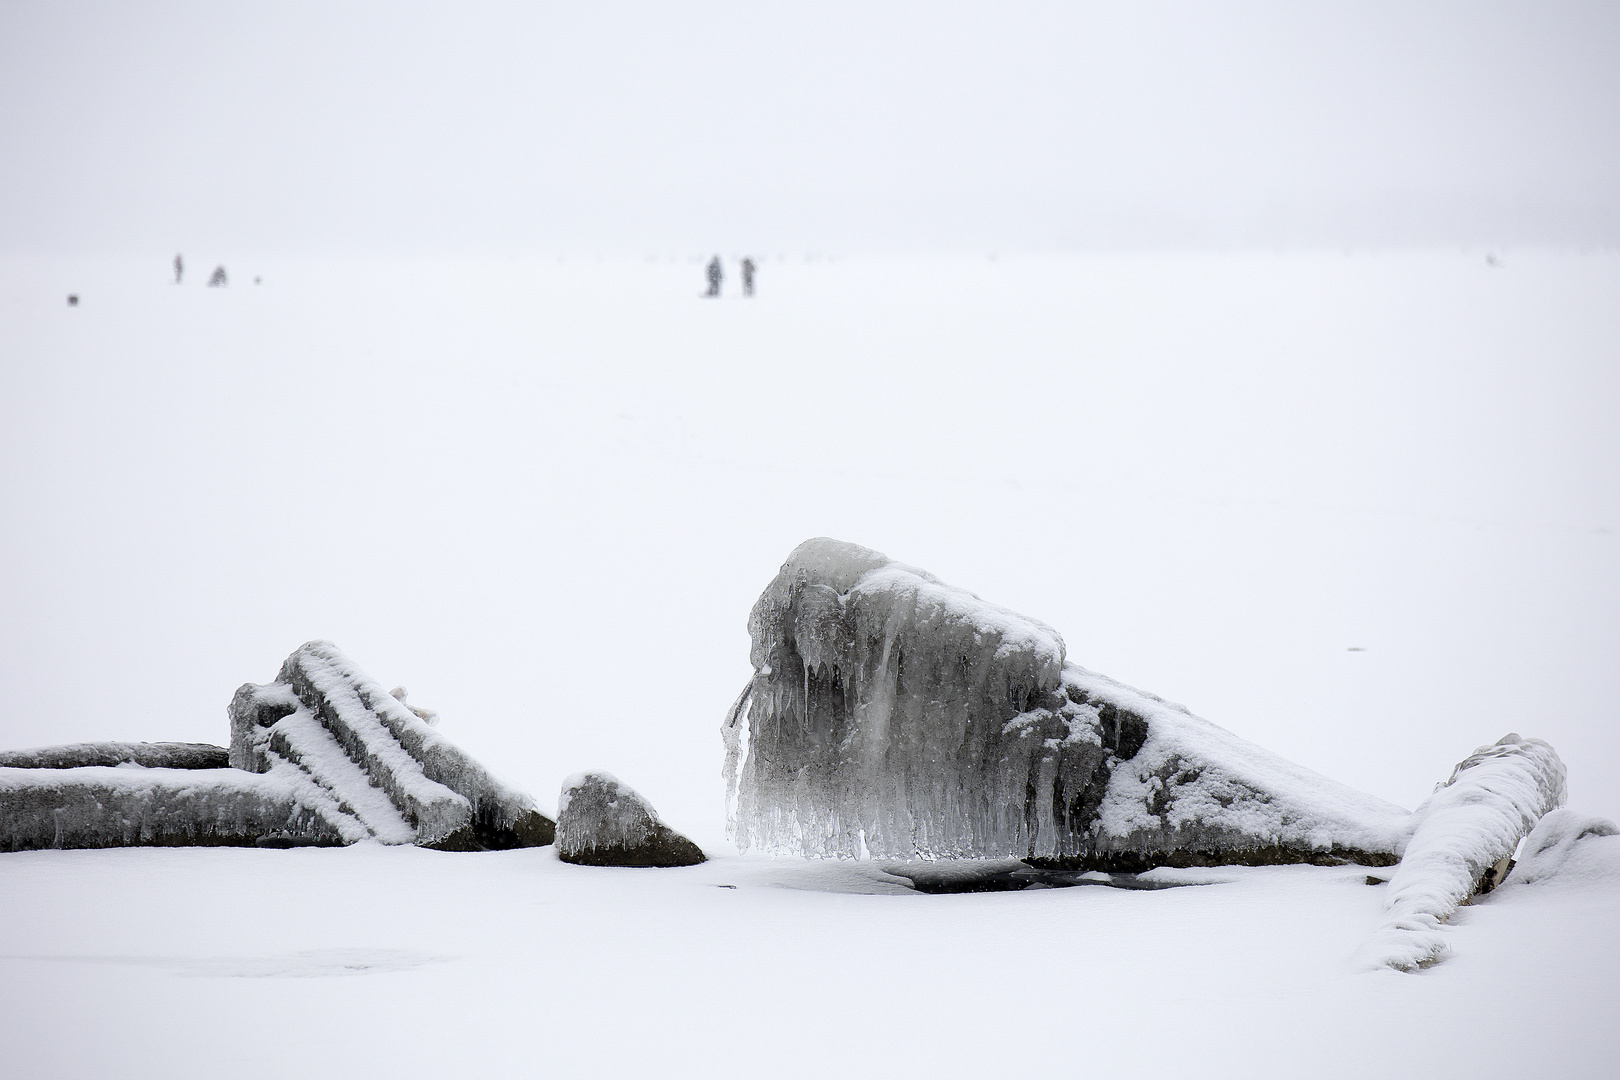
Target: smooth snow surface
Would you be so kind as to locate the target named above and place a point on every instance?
(402, 962)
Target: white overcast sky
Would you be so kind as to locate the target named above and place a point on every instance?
(674, 127)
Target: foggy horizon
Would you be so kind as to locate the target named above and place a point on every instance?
(504, 129)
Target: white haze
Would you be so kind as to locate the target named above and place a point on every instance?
(249, 130)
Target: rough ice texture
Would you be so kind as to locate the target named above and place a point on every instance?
(376, 760)
(1463, 838)
(1555, 844)
(151, 755)
(98, 806)
(892, 715)
(604, 822)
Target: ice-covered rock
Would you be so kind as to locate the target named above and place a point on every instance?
(98, 806)
(1555, 843)
(376, 760)
(893, 715)
(1463, 837)
(321, 756)
(151, 755)
(603, 822)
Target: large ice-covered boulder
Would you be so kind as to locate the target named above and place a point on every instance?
(890, 714)
(604, 822)
(378, 764)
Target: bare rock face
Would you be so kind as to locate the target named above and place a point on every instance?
(149, 755)
(603, 822)
(892, 715)
(372, 762)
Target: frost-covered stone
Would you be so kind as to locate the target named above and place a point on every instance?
(151, 755)
(893, 715)
(1461, 834)
(603, 822)
(96, 807)
(1555, 843)
(398, 779)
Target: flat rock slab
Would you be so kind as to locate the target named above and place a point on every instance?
(603, 822)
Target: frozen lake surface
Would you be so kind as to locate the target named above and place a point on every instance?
(373, 961)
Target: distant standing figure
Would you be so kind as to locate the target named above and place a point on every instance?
(748, 276)
(179, 268)
(218, 277)
(714, 277)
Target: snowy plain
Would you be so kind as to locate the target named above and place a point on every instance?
(1361, 509)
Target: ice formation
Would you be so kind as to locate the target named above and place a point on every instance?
(603, 822)
(98, 806)
(1554, 844)
(158, 755)
(892, 715)
(376, 761)
(321, 756)
(1462, 843)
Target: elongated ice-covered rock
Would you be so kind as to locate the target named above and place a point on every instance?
(1462, 843)
(376, 759)
(602, 821)
(98, 806)
(893, 715)
(151, 755)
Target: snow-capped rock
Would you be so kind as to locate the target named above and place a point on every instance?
(397, 777)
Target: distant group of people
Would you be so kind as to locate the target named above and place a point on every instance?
(716, 274)
(215, 280)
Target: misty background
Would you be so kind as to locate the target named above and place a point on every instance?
(257, 130)
(1268, 352)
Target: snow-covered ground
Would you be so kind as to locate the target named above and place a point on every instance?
(373, 961)
(1361, 509)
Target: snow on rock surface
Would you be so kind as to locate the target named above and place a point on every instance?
(1557, 844)
(99, 806)
(376, 760)
(893, 715)
(151, 755)
(1463, 838)
(604, 822)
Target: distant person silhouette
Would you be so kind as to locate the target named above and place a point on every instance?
(714, 277)
(748, 276)
(179, 268)
(218, 277)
